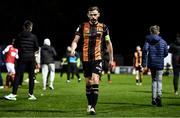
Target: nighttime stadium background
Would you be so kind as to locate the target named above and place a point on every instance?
(128, 21)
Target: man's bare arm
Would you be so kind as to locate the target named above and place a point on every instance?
(74, 44)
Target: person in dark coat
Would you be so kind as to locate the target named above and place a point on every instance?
(175, 50)
(48, 54)
(27, 44)
(154, 51)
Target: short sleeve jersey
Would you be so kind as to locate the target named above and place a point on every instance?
(92, 37)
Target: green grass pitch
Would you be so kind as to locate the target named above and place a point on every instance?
(121, 98)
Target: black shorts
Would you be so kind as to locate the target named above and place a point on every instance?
(139, 68)
(90, 67)
(105, 66)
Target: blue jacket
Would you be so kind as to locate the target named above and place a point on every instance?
(154, 51)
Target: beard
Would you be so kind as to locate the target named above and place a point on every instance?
(94, 21)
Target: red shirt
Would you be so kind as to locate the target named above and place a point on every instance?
(11, 54)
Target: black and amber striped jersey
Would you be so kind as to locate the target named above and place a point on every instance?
(138, 58)
(93, 37)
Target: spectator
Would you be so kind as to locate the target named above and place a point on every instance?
(48, 54)
(154, 51)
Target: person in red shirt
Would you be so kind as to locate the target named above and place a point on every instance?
(11, 54)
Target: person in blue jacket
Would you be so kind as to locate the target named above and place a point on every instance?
(154, 51)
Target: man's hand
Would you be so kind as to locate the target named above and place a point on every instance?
(111, 63)
(72, 52)
(38, 66)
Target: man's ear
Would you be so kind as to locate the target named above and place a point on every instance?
(99, 15)
(88, 14)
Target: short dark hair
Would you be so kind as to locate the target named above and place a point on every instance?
(27, 24)
(94, 8)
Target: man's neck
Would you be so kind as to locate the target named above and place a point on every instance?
(93, 23)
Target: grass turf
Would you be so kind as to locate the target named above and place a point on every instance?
(121, 98)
